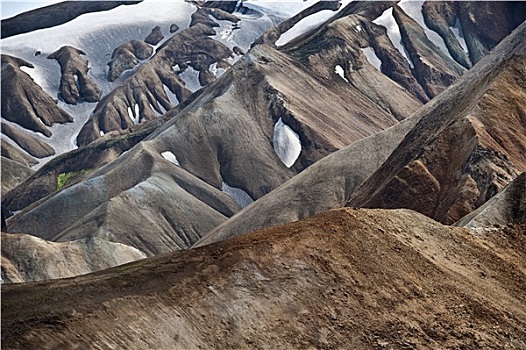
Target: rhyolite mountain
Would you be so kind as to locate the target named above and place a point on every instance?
(144, 142)
(164, 126)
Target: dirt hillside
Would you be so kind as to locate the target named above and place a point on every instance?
(345, 279)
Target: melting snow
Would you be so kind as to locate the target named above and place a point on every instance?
(304, 26)
(286, 9)
(414, 10)
(286, 143)
(459, 34)
(372, 57)
(169, 156)
(238, 195)
(339, 70)
(388, 21)
(191, 78)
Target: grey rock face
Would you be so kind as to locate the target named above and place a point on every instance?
(11, 152)
(13, 174)
(507, 207)
(75, 83)
(26, 258)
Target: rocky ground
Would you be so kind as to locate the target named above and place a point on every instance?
(349, 278)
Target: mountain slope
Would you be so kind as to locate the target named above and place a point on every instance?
(28, 258)
(506, 207)
(356, 279)
(468, 146)
(325, 185)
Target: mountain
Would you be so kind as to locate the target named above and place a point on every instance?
(348, 278)
(28, 258)
(337, 180)
(466, 149)
(178, 132)
(506, 207)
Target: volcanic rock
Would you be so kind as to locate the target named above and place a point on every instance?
(506, 207)
(13, 174)
(25, 103)
(467, 147)
(155, 36)
(327, 184)
(28, 143)
(11, 152)
(75, 83)
(174, 28)
(145, 88)
(55, 14)
(127, 56)
(79, 161)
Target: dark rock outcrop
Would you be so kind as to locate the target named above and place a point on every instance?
(155, 36)
(55, 14)
(127, 56)
(174, 28)
(26, 104)
(35, 147)
(75, 83)
(11, 152)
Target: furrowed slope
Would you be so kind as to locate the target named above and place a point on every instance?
(348, 278)
(467, 147)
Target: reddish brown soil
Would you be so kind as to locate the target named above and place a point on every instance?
(345, 279)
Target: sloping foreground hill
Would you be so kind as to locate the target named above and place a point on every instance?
(348, 279)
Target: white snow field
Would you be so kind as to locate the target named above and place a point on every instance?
(238, 195)
(372, 57)
(388, 21)
(286, 143)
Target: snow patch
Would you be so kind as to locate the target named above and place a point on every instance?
(238, 195)
(191, 78)
(286, 142)
(169, 156)
(285, 9)
(459, 34)
(388, 21)
(339, 70)
(414, 10)
(304, 26)
(372, 57)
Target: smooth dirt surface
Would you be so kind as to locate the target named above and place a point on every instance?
(345, 279)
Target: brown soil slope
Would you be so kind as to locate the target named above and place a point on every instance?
(345, 279)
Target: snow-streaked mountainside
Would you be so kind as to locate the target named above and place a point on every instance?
(98, 34)
(379, 146)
